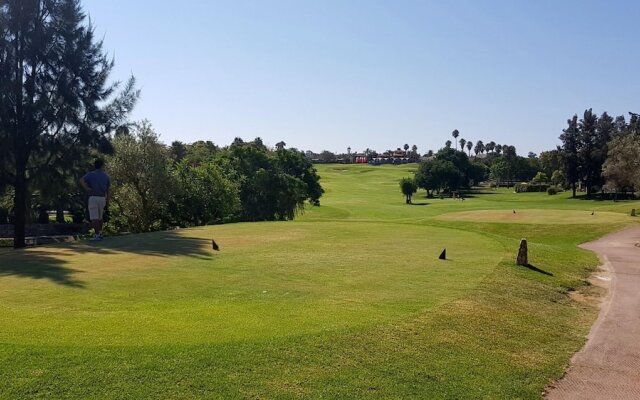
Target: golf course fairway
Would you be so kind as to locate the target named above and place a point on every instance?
(347, 301)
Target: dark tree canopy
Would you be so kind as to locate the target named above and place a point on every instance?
(450, 170)
(585, 145)
(408, 187)
(273, 185)
(550, 161)
(589, 170)
(622, 167)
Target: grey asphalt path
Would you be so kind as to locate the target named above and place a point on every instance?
(608, 367)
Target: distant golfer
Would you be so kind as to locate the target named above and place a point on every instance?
(97, 183)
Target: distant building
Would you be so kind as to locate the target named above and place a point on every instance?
(399, 153)
(360, 158)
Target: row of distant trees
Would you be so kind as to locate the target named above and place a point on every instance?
(412, 153)
(451, 170)
(478, 148)
(157, 186)
(600, 153)
(327, 156)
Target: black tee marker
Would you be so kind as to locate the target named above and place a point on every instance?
(214, 245)
(443, 255)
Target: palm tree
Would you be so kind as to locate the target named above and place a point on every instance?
(280, 145)
(469, 146)
(455, 135)
(414, 149)
(491, 146)
(498, 149)
(406, 147)
(448, 144)
(462, 143)
(480, 147)
(476, 148)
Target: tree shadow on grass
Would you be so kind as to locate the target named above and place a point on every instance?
(52, 262)
(159, 244)
(475, 195)
(609, 197)
(39, 265)
(536, 269)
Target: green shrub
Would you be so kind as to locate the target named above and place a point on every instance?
(540, 177)
(521, 187)
(530, 187)
(552, 190)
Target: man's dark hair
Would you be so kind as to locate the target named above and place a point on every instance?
(99, 163)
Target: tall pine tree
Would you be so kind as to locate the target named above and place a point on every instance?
(54, 92)
(589, 169)
(605, 129)
(570, 157)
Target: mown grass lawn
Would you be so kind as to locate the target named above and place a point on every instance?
(348, 301)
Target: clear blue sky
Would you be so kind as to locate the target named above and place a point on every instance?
(362, 73)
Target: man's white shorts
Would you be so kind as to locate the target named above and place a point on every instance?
(96, 207)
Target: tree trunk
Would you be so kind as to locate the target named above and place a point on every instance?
(573, 187)
(20, 207)
(60, 215)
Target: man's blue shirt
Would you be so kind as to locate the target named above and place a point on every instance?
(99, 183)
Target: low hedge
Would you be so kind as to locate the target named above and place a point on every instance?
(531, 187)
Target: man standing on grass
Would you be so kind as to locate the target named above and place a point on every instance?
(96, 183)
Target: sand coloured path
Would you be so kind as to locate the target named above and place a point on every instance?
(608, 367)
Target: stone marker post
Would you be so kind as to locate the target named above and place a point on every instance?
(523, 257)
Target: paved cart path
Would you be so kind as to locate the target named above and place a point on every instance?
(608, 367)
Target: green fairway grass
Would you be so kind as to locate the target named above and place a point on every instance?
(348, 301)
(270, 280)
